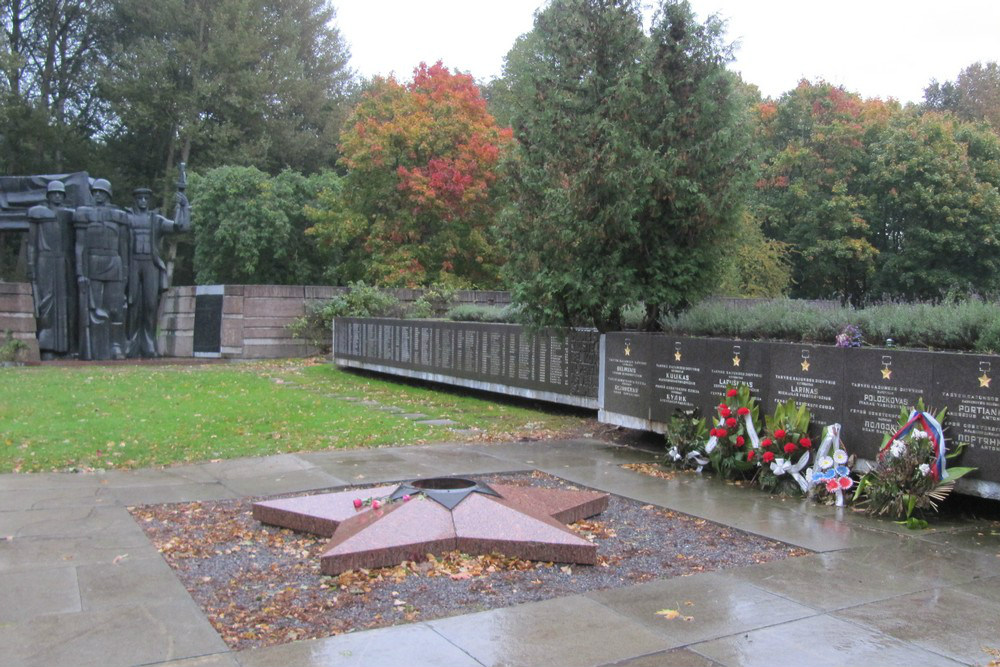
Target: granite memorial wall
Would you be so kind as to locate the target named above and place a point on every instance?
(550, 365)
(647, 377)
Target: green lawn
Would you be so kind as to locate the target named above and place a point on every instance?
(54, 418)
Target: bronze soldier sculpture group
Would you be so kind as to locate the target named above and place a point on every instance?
(97, 273)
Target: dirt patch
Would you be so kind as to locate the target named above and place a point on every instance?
(260, 585)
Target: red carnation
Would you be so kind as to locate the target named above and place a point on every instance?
(743, 412)
(725, 411)
(732, 392)
(731, 422)
(740, 441)
(805, 442)
(768, 457)
(750, 455)
(722, 432)
(780, 433)
(790, 447)
(766, 442)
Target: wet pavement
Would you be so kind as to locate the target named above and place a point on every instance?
(81, 585)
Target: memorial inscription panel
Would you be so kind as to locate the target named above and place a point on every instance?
(627, 374)
(878, 383)
(736, 362)
(810, 375)
(968, 385)
(680, 375)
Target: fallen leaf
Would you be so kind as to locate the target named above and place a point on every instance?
(671, 614)
(119, 559)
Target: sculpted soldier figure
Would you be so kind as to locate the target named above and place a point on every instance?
(147, 273)
(50, 270)
(101, 263)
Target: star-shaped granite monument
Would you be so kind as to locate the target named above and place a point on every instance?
(436, 516)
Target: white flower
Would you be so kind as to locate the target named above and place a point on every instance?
(919, 435)
(840, 457)
(925, 469)
(898, 448)
(674, 454)
(809, 475)
(825, 462)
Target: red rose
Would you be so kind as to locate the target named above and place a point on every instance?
(743, 412)
(723, 406)
(731, 422)
(725, 411)
(780, 433)
(768, 457)
(731, 393)
(740, 441)
(750, 455)
(722, 433)
(805, 442)
(766, 442)
(357, 503)
(790, 447)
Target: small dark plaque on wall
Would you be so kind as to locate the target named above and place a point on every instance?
(680, 375)
(969, 385)
(208, 323)
(583, 364)
(627, 374)
(810, 375)
(878, 384)
(736, 362)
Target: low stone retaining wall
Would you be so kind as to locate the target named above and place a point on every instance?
(17, 315)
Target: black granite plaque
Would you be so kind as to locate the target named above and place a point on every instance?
(557, 359)
(969, 385)
(811, 375)
(208, 323)
(878, 383)
(526, 346)
(627, 374)
(680, 375)
(583, 364)
(736, 362)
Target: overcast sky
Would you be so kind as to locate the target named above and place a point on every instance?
(878, 48)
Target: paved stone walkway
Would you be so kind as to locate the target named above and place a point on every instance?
(81, 585)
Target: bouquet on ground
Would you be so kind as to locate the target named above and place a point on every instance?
(784, 450)
(733, 440)
(830, 477)
(910, 472)
(685, 435)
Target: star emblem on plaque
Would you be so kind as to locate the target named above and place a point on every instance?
(736, 356)
(886, 362)
(628, 347)
(677, 351)
(805, 360)
(985, 379)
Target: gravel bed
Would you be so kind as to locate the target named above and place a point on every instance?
(260, 585)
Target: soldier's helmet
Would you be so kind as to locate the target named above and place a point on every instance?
(101, 184)
(55, 186)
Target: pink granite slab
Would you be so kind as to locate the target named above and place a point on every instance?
(401, 531)
(484, 524)
(319, 514)
(561, 505)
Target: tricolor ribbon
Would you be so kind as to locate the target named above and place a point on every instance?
(936, 434)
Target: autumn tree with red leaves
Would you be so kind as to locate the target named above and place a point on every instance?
(417, 203)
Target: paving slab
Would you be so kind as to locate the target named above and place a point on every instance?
(719, 604)
(984, 538)
(36, 593)
(842, 579)
(438, 422)
(413, 415)
(678, 657)
(414, 645)
(950, 622)
(288, 482)
(819, 641)
(133, 634)
(126, 580)
(254, 467)
(49, 498)
(151, 494)
(213, 660)
(574, 630)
